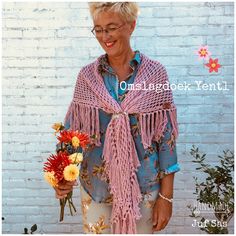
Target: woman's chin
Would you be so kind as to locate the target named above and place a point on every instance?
(112, 53)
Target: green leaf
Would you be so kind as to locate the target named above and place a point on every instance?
(33, 228)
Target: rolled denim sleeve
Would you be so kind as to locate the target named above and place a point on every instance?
(167, 151)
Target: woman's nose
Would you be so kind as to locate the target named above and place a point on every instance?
(105, 36)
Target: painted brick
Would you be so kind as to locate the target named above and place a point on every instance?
(44, 47)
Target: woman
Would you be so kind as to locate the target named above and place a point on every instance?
(127, 175)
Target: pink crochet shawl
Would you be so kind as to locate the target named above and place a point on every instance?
(119, 153)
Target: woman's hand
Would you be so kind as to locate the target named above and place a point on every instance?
(64, 187)
(161, 214)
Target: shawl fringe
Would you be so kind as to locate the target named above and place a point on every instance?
(152, 125)
(84, 119)
(126, 209)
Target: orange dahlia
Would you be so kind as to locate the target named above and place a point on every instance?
(66, 136)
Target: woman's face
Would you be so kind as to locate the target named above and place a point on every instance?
(118, 41)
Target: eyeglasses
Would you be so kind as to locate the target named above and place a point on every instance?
(98, 31)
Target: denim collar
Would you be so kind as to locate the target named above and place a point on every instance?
(104, 64)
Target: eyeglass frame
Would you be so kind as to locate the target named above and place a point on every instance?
(105, 30)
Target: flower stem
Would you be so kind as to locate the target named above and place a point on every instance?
(70, 208)
(72, 205)
(62, 204)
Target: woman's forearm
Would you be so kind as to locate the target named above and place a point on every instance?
(167, 185)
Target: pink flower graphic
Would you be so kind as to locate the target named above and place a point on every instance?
(203, 53)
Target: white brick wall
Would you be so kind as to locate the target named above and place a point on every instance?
(44, 47)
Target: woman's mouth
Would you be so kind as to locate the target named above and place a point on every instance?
(110, 44)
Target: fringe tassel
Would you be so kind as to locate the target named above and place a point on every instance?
(126, 225)
(153, 125)
(84, 119)
(173, 118)
(121, 162)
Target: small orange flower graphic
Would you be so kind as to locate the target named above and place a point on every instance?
(213, 65)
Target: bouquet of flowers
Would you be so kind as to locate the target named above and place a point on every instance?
(65, 165)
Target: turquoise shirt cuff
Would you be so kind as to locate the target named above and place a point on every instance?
(172, 169)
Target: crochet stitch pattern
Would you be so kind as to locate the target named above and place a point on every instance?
(119, 153)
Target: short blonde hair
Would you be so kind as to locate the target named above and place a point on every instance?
(128, 10)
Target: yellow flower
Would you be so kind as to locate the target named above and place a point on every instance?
(76, 157)
(75, 142)
(71, 172)
(57, 127)
(50, 178)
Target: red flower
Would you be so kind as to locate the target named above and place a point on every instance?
(213, 65)
(84, 139)
(67, 135)
(57, 163)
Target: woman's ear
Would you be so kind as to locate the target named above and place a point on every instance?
(132, 26)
